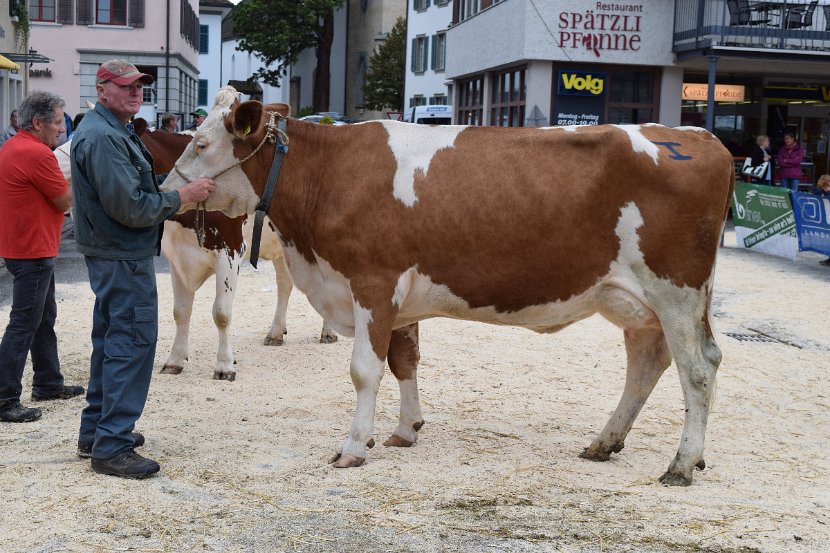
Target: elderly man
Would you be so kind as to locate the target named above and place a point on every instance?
(119, 212)
(33, 197)
(198, 117)
(11, 130)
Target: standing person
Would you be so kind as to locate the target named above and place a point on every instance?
(33, 197)
(169, 122)
(790, 157)
(760, 153)
(11, 130)
(119, 212)
(198, 116)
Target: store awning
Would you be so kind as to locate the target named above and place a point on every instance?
(6, 63)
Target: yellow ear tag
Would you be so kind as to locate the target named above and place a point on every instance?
(247, 131)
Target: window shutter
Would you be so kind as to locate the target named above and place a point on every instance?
(85, 15)
(65, 15)
(135, 15)
(434, 49)
(414, 59)
(424, 66)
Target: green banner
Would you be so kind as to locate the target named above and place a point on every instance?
(764, 219)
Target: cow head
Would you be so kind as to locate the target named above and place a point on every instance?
(231, 131)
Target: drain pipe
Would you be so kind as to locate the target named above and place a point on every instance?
(167, 63)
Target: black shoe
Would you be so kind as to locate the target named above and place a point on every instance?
(18, 413)
(126, 465)
(85, 448)
(825, 262)
(64, 392)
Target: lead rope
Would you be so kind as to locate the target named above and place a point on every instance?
(200, 224)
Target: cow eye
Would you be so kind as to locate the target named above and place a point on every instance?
(200, 146)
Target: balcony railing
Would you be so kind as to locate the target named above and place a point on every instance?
(749, 24)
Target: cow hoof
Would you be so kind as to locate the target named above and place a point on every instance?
(328, 339)
(273, 341)
(230, 377)
(597, 455)
(700, 465)
(171, 369)
(396, 441)
(341, 461)
(671, 479)
(371, 443)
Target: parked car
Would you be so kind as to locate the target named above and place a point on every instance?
(317, 117)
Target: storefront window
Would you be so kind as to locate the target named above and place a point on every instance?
(469, 107)
(509, 93)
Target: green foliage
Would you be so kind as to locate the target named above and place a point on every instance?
(308, 110)
(385, 78)
(326, 120)
(23, 25)
(277, 31)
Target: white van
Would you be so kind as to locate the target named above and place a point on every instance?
(429, 115)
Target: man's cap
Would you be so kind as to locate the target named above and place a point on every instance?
(199, 112)
(121, 72)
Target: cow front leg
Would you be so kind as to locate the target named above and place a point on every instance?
(373, 327)
(285, 284)
(227, 276)
(648, 358)
(182, 309)
(403, 358)
(327, 335)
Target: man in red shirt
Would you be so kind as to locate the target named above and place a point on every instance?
(33, 198)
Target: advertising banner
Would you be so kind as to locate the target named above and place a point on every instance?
(580, 98)
(764, 219)
(811, 221)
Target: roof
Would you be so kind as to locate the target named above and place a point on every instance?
(216, 3)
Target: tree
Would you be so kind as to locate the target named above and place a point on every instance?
(277, 31)
(384, 79)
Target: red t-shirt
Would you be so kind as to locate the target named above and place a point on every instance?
(30, 224)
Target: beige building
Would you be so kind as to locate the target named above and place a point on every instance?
(12, 76)
(369, 22)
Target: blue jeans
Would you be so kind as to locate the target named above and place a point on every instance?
(791, 183)
(124, 333)
(31, 328)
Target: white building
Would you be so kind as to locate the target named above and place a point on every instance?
(211, 14)
(426, 53)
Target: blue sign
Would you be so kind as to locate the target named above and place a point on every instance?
(580, 83)
(811, 221)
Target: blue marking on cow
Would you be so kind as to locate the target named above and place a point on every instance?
(670, 147)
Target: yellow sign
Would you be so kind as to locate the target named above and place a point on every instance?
(723, 92)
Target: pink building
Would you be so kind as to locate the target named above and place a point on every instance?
(159, 37)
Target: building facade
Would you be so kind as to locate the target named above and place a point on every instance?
(12, 75)
(426, 80)
(738, 68)
(211, 14)
(160, 38)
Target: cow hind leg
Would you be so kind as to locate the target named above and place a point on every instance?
(403, 358)
(648, 357)
(327, 335)
(285, 284)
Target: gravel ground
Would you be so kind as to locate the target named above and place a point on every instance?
(496, 467)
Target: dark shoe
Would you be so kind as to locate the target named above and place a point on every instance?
(64, 392)
(85, 448)
(18, 413)
(126, 465)
(825, 262)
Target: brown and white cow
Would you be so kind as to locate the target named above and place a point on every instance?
(224, 248)
(385, 224)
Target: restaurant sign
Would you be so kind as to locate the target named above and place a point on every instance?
(723, 92)
(606, 26)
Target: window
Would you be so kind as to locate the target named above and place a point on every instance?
(111, 12)
(469, 107)
(467, 8)
(631, 97)
(442, 2)
(419, 54)
(203, 39)
(420, 5)
(202, 100)
(42, 10)
(509, 93)
(148, 92)
(417, 100)
(439, 51)
(438, 100)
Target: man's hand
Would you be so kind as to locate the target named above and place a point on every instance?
(196, 191)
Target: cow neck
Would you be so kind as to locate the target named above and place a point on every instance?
(273, 131)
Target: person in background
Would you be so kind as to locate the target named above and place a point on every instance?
(168, 122)
(119, 214)
(33, 197)
(822, 189)
(198, 117)
(65, 135)
(790, 157)
(77, 121)
(11, 130)
(760, 153)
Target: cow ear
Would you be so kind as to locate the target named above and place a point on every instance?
(283, 109)
(247, 118)
(140, 125)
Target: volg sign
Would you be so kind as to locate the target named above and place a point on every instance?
(580, 83)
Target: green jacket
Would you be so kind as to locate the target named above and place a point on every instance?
(118, 210)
